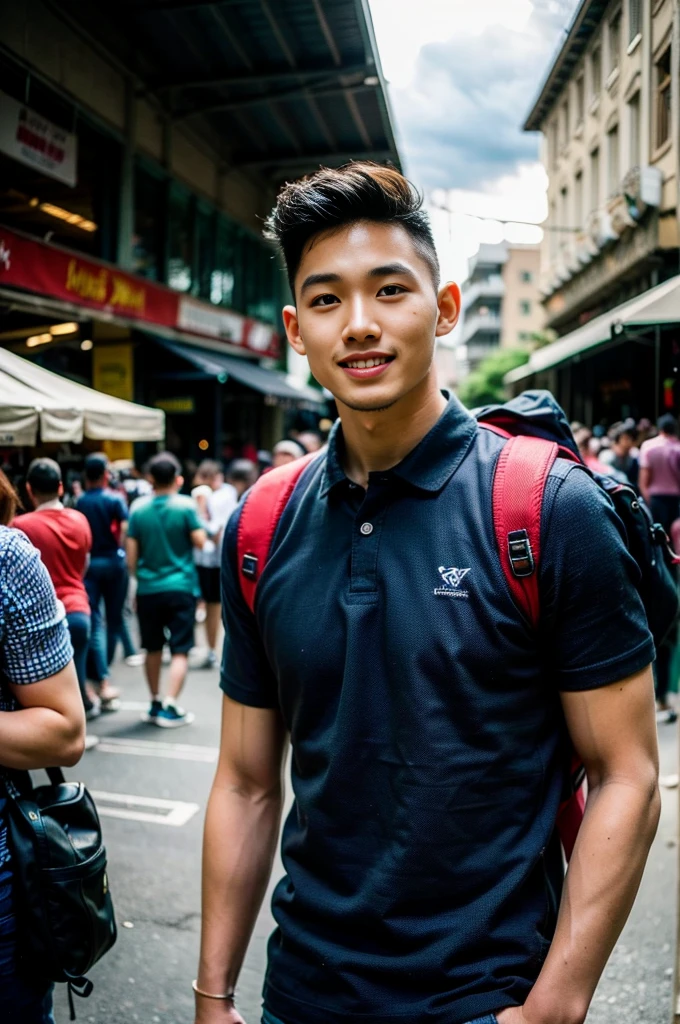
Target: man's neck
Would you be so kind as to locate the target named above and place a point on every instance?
(164, 492)
(47, 503)
(377, 441)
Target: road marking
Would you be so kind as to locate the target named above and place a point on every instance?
(171, 812)
(153, 748)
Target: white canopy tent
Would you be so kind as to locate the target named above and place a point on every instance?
(33, 399)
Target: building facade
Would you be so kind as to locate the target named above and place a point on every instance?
(610, 119)
(501, 302)
(141, 149)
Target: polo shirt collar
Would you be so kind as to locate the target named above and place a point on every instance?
(432, 462)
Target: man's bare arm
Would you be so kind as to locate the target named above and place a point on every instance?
(614, 731)
(644, 480)
(132, 552)
(239, 844)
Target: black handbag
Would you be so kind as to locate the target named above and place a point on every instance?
(65, 918)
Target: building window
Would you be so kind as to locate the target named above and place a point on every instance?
(578, 200)
(180, 239)
(565, 122)
(554, 143)
(634, 129)
(580, 99)
(596, 72)
(147, 243)
(614, 170)
(526, 277)
(614, 43)
(525, 307)
(662, 125)
(634, 19)
(595, 179)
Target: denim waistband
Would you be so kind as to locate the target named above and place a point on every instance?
(269, 1018)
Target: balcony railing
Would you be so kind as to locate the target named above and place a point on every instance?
(480, 323)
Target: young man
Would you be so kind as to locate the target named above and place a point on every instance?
(64, 540)
(660, 472)
(106, 578)
(242, 474)
(424, 874)
(164, 530)
(216, 501)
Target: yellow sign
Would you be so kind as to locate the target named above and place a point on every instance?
(183, 404)
(113, 374)
(108, 289)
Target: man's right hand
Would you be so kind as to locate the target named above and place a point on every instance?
(213, 1011)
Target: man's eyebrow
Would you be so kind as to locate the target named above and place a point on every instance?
(315, 279)
(391, 268)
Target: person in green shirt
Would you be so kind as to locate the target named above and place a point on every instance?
(163, 531)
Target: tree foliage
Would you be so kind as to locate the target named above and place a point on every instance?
(485, 385)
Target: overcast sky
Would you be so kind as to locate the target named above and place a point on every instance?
(463, 75)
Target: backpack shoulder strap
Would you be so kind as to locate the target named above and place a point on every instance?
(519, 483)
(259, 518)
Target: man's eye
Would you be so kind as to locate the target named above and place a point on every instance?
(391, 289)
(325, 300)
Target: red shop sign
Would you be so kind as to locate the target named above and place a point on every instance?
(62, 274)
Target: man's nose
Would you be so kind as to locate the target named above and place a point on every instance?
(361, 325)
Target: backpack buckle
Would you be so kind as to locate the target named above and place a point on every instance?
(520, 553)
(249, 566)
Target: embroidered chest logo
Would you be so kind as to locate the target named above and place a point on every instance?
(453, 579)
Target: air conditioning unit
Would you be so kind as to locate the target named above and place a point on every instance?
(643, 186)
(623, 214)
(600, 229)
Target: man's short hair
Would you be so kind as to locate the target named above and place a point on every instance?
(242, 471)
(668, 424)
(333, 198)
(209, 468)
(164, 469)
(44, 476)
(95, 466)
(289, 448)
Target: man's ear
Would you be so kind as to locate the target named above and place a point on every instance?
(60, 492)
(290, 321)
(448, 302)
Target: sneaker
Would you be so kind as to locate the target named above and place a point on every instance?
(172, 717)
(667, 716)
(93, 712)
(155, 708)
(135, 660)
(210, 661)
(91, 741)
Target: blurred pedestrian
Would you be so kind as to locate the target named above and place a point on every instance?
(623, 449)
(64, 540)
(216, 501)
(660, 472)
(242, 474)
(587, 450)
(311, 441)
(106, 579)
(164, 530)
(46, 728)
(286, 451)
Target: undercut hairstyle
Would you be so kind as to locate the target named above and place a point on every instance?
(333, 198)
(44, 476)
(164, 469)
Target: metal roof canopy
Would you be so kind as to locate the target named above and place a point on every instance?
(659, 306)
(268, 382)
(586, 20)
(278, 86)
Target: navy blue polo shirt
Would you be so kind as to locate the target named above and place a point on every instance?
(423, 870)
(104, 511)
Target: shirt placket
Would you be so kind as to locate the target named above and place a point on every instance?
(366, 533)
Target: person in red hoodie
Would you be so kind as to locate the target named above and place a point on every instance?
(64, 540)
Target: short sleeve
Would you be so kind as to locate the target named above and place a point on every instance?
(247, 676)
(35, 638)
(593, 621)
(132, 525)
(644, 455)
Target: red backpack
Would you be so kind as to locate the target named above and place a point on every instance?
(519, 482)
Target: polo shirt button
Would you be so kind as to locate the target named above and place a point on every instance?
(367, 529)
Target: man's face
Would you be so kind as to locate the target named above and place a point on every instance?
(368, 314)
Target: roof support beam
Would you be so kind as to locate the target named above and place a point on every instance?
(274, 97)
(288, 160)
(310, 75)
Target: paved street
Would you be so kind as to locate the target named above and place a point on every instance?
(153, 834)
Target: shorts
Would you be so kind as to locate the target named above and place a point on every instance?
(209, 580)
(167, 618)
